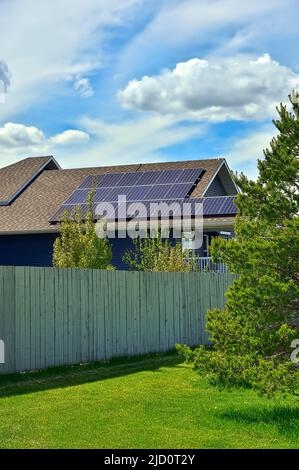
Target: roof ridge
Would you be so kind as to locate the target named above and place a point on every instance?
(140, 164)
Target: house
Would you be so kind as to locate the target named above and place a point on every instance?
(33, 190)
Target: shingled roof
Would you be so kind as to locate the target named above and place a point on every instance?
(14, 178)
(37, 187)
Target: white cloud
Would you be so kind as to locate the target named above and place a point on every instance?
(53, 41)
(243, 152)
(134, 141)
(137, 140)
(83, 87)
(17, 135)
(70, 137)
(236, 88)
(207, 24)
(18, 141)
(180, 21)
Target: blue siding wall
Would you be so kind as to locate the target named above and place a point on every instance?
(37, 250)
(216, 188)
(119, 246)
(26, 250)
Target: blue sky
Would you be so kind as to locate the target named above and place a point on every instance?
(99, 82)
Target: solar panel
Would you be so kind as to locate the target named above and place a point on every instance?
(110, 180)
(78, 197)
(168, 176)
(58, 214)
(219, 206)
(164, 209)
(131, 179)
(180, 176)
(210, 205)
(149, 177)
(92, 181)
(190, 175)
(159, 191)
(69, 208)
(87, 183)
(114, 193)
(179, 191)
(138, 193)
(98, 180)
(102, 194)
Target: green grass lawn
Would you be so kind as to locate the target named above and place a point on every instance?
(154, 402)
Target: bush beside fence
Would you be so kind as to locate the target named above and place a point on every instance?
(51, 317)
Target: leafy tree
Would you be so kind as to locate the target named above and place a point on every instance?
(156, 254)
(78, 245)
(252, 336)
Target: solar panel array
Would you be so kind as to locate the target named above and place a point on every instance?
(211, 207)
(207, 207)
(136, 186)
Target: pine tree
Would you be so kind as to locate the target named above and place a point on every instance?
(252, 336)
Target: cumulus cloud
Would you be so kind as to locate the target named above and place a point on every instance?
(237, 88)
(18, 141)
(70, 137)
(17, 135)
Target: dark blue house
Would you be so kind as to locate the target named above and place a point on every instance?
(34, 191)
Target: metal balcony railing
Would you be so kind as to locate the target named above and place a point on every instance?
(206, 264)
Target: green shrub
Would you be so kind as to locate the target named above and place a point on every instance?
(78, 245)
(158, 255)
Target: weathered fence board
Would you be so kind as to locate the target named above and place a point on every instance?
(50, 317)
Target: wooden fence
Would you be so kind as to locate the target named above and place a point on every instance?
(50, 317)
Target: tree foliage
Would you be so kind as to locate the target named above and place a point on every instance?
(78, 245)
(157, 254)
(252, 336)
